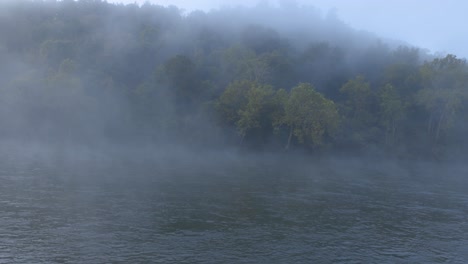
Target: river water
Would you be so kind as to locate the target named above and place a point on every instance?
(230, 210)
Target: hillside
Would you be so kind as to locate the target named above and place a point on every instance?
(263, 79)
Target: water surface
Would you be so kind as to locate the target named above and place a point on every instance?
(219, 210)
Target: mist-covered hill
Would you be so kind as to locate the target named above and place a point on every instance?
(264, 78)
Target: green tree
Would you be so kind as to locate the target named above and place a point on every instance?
(444, 92)
(232, 100)
(256, 113)
(240, 63)
(392, 111)
(358, 111)
(248, 107)
(309, 116)
(180, 73)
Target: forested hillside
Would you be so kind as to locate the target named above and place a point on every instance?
(263, 79)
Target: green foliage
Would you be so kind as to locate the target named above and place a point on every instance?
(180, 74)
(243, 63)
(392, 111)
(358, 99)
(358, 111)
(232, 100)
(278, 115)
(262, 39)
(310, 116)
(248, 106)
(255, 113)
(444, 92)
(147, 72)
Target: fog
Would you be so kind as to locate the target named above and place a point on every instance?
(140, 75)
(265, 133)
(432, 24)
(91, 81)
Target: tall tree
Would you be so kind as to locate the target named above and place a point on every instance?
(444, 92)
(358, 111)
(248, 106)
(309, 116)
(392, 111)
(256, 113)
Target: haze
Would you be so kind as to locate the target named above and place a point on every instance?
(438, 26)
(259, 134)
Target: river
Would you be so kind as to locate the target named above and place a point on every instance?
(232, 210)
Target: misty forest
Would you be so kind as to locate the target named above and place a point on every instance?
(267, 134)
(261, 79)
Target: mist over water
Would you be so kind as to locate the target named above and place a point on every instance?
(242, 210)
(265, 134)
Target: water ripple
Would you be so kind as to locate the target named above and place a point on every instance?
(58, 215)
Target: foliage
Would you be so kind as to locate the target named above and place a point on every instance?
(444, 92)
(393, 110)
(90, 70)
(359, 112)
(310, 116)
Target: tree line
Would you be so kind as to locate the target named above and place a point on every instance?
(86, 71)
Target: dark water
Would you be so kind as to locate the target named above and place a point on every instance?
(232, 212)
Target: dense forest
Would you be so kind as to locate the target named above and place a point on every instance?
(266, 78)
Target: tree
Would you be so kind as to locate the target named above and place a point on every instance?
(232, 100)
(240, 63)
(392, 111)
(444, 92)
(255, 114)
(262, 39)
(404, 72)
(322, 65)
(180, 73)
(309, 116)
(247, 106)
(358, 111)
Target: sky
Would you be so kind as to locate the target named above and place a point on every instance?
(436, 25)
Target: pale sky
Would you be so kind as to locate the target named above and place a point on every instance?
(438, 25)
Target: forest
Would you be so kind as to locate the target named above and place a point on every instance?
(263, 79)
